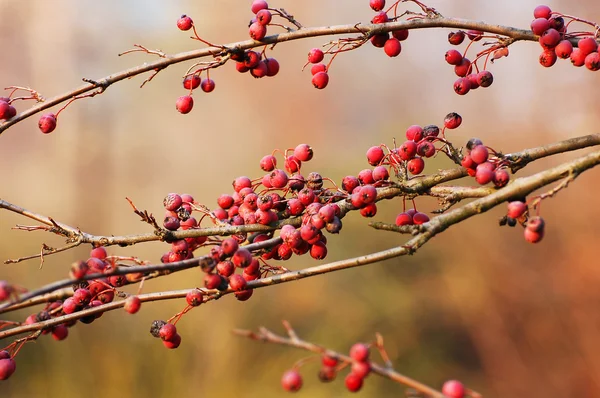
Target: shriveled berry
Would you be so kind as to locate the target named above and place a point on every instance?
(425, 149)
(185, 23)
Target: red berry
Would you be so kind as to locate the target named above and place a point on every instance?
(99, 253)
(252, 59)
(542, 11)
(244, 295)
(132, 304)
(194, 297)
(320, 80)
(47, 123)
(592, 61)
(407, 150)
(587, 45)
(368, 194)
(381, 173)
(366, 176)
(369, 210)
(463, 68)
(258, 5)
(292, 164)
(7, 368)
(184, 104)
(474, 35)
(329, 361)
(453, 57)
(420, 218)
(303, 152)
(577, 57)
(462, 86)
(359, 352)
(404, 219)
(272, 66)
(380, 39)
(483, 174)
(375, 155)
(400, 34)
(167, 331)
(380, 17)
(291, 380)
(501, 178)
(241, 258)
(485, 78)
(4, 112)
(191, 82)
(264, 17)
(173, 343)
(534, 230)
(318, 250)
(207, 85)
(229, 246)
(415, 166)
(548, 58)
(60, 332)
(414, 133)
(318, 68)
(260, 70)
(392, 47)
(257, 31)
(361, 369)
(353, 382)
(377, 5)
(549, 39)
(185, 23)
(237, 282)
(452, 120)
(540, 25)
(516, 209)
(172, 201)
(315, 56)
(456, 38)
(479, 154)
(453, 389)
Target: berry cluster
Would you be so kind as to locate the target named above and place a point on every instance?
(518, 212)
(557, 43)
(486, 167)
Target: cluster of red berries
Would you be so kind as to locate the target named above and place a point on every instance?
(167, 332)
(469, 76)
(47, 122)
(391, 45)
(486, 167)
(7, 110)
(534, 226)
(552, 29)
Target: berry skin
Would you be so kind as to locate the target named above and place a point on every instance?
(452, 120)
(237, 282)
(252, 59)
(171, 202)
(207, 85)
(453, 57)
(380, 173)
(479, 154)
(379, 39)
(484, 174)
(404, 219)
(516, 209)
(260, 70)
(318, 68)
(415, 166)
(359, 352)
(132, 304)
(229, 246)
(191, 82)
(456, 38)
(318, 250)
(592, 61)
(463, 68)
(258, 5)
(420, 218)
(462, 86)
(320, 80)
(173, 343)
(241, 258)
(303, 152)
(99, 253)
(407, 150)
(377, 5)
(453, 389)
(369, 210)
(60, 332)
(380, 17)
(532, 236)
(587, 45)
(485, 78)
(47, 123)
(315, 56)
(577, 57)
(549, 39)
(414, 133)
(353, 382)
(185, 23)
(540, 25)
(244, 295)
(542, 11)
(167, 331)
(4, 110)
(392, 47)
(548, 58)
(291, 380)
(184, 104)
(264, 17)
(501, 178)
(257, 31)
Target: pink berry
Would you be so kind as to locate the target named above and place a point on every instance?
(501, 178)
(414, 133)
(381, 173)
(272, 66)
(185, 23)
(516, 209)
(542, 11)
(191, 82)
(479, 154)
(420, 218)
(462, 86)
(452, 120)
(592, 61)
(320, 80)
(257, 31)
(483, 175)
(315, 56)
(359, 352)
(237, 282)
(303, 152)
(207, 85)
(540, 25)
(264, 17)
(7, 368)
(453, 389)
(184, 104)
(377, 5)
(549, 39)
(60, 332)
(375, 155)
(291, 380)
(392, 47)
(353, 382)
(577, 57)
(132, 304)
(258, 5)
(318, 68)
(47, 123)
(463, 68)
(587, 45)
(404, 219)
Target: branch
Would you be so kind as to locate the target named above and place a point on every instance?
(100, 85)
(518, 188)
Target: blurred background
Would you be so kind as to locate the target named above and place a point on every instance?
(478, 303)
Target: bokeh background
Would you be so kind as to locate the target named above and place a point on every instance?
(477, 303)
